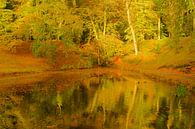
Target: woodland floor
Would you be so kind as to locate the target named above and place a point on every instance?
(20, 63)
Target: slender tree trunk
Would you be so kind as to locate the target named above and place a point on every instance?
(159, 28)
(193, 3)
(194, 24)
(59, 26)
(105, 22)
(131, 27)
(94, 29)
(96, 37)
(74, 3)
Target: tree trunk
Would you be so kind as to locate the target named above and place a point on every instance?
(94, 29)
(159, 28)
(59, 26)
(193, 2)
(105, 20)
(193, 24)
(74, 3)
(131, 27)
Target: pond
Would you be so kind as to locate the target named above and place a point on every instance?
(68, 101)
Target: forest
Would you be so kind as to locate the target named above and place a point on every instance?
(97, 64)
(99, 32)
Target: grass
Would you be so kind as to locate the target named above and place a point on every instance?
(173, 58)
(161, 53)
(158, 59)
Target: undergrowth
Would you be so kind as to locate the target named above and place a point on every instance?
(44, 49)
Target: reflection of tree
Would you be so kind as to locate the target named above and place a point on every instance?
(94, 101)
(162, 118)
(181, 113)
(139, 106)
(39, 104)
(79, 99)
(192, 118)
(131, 105)
(59, 103)
(113, 104)
(170, 116)
(120, 105)
(72, 100)
(108, 103)
(44, 106)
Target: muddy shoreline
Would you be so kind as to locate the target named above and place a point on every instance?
(169, 77)
(157, 75)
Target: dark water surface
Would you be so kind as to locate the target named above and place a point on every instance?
(97, 102)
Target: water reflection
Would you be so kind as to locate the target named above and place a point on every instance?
(97, 103)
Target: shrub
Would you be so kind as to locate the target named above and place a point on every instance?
(106, 48)
(157, 48)
(44, 49)
(35, 49)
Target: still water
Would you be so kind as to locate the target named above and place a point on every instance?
(97, 102)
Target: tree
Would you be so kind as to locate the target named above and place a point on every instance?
(144, 20)
(193, 5)
(127, 4)
(159, 10)
(7, 19)
(49, 20)
(3, 4)
(174, 19)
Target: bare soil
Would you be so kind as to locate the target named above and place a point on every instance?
(20, 63)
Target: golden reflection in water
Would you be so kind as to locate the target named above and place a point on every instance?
(98, 103)
(137, 107)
